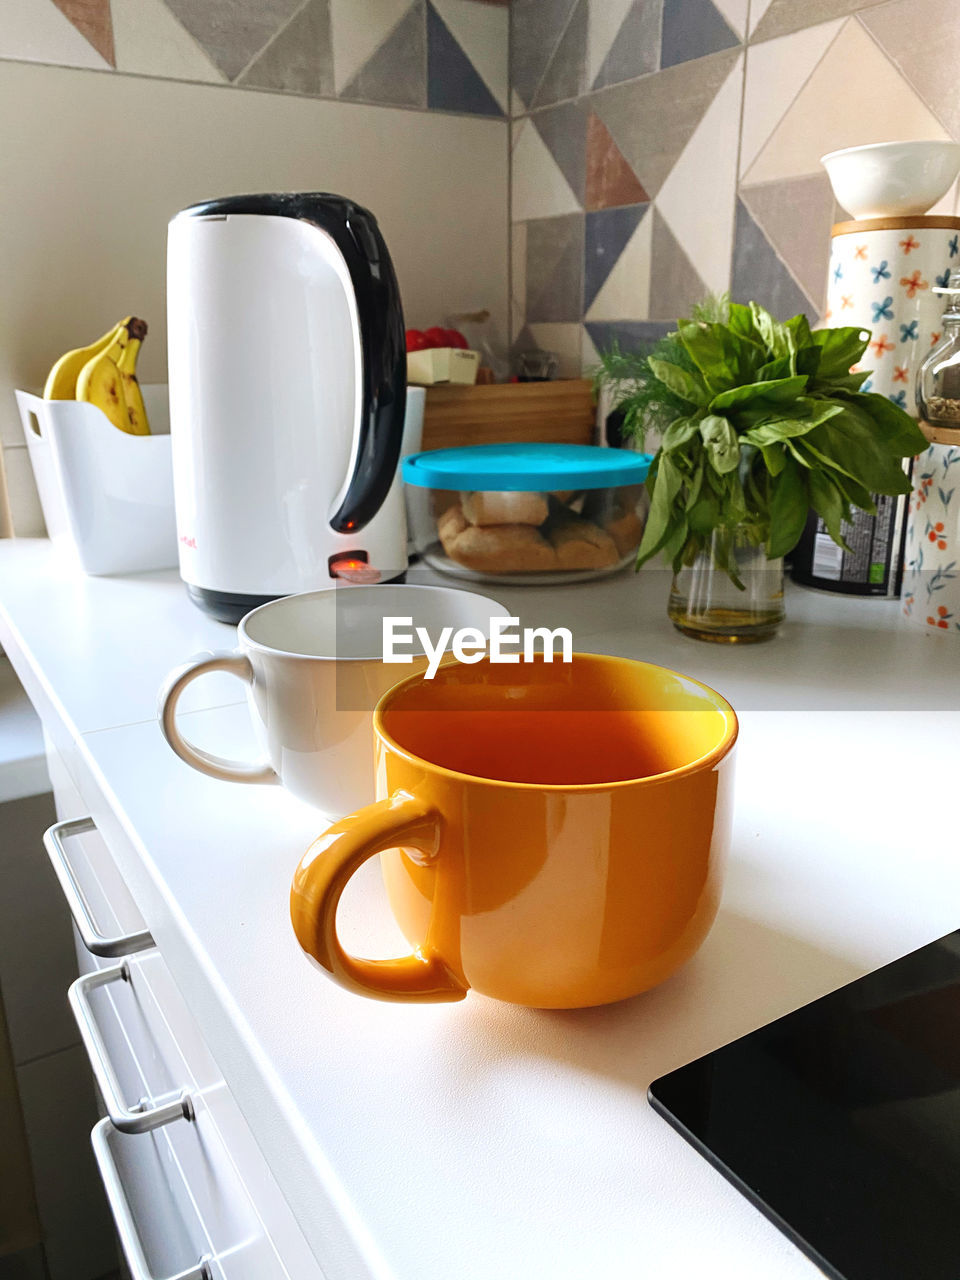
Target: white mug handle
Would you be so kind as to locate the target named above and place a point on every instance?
(236, 664)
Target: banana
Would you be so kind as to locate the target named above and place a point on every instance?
(127, 364)
(101, 381)
(61, 381)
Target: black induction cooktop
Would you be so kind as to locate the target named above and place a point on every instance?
(841, 1121)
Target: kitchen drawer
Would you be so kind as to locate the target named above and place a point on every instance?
(166, 1227)
(108, 898)
(201, 1171)
(185, 1197)
(227, 1206)
(112, 923)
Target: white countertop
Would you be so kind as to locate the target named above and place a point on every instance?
(476, 1140)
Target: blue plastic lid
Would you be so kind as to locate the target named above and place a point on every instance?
(527, 466)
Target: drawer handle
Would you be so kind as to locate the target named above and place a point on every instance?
(143, 1116)
(120, 1208)
(93, 939)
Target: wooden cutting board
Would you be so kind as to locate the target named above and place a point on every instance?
(562, 411)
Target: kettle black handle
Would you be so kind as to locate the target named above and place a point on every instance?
(383, 368)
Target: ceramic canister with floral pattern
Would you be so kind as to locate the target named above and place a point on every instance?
(931, 580)
(882, 275)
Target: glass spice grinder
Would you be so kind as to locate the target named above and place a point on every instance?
(938, 378)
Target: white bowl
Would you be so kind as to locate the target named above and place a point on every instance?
(892, 179)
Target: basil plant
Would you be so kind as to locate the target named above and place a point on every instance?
(760, 422)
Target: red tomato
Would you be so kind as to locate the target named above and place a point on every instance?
(416, 341)
(436, 337)
(456, 339)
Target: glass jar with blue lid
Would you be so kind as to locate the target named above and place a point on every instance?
(526, 512)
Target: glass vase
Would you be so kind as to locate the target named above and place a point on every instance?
(707, 605)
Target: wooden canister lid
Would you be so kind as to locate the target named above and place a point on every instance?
(915, 222)
(936, 433)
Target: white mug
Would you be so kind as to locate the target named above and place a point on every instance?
(314, 671)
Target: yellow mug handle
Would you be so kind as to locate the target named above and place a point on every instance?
(321, 878)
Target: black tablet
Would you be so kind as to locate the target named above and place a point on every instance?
(841, 1121)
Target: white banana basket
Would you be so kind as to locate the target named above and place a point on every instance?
(107, 497)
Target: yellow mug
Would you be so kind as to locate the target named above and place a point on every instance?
(551, 834)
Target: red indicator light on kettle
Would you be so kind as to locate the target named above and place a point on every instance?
(352, 566)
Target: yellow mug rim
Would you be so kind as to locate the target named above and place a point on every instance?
(700, 765)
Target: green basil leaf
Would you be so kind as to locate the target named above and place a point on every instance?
(733, 506)
(839, 349)
(820, 410)
(672, 548)
(808, 362)
(799, 326)
(819, 460)
(757, 487)
(723, 547)
(775, 336)
(795, 453)
(714, 349)
(774, 458)
(855, 493)
(775, 429)
(696, 484)
(828, 502)
(789, 504)
(741, 323)
(666, 487)
(704, 516)
(687, 386)
(836, 384)
(848, 444)
(751, 353)
(773, 370)
(678, 433)
(720, 442)
(754, 415)
(890, 423)
(773, 392)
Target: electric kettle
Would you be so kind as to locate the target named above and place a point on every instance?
(287, 370)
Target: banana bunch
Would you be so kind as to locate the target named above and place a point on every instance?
(104, 374)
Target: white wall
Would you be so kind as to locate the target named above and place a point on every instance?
(93, 165)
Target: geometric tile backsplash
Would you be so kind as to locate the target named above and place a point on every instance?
(446, 55)
(662, 149)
